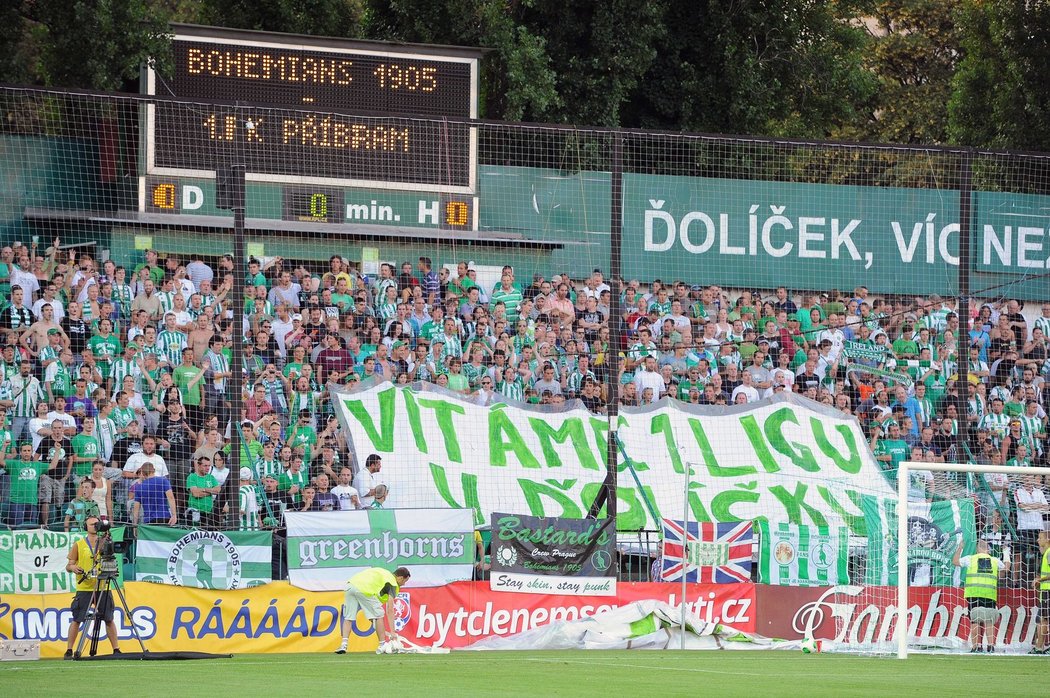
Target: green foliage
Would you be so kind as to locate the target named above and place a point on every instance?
(1001, 96)
(316, 17)
(79, 43)
(783, 68)
(517, 77)
(913, 52)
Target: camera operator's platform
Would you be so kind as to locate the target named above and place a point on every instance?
(149, 656)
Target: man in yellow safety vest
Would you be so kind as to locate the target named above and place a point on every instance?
(1042, 587)
(370, 592)
(981, 593)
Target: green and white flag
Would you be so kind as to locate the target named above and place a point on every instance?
(34, 562)
(799, 556)
(934, 532)
(327, 548)
(203, 559)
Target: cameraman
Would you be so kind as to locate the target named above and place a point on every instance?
(83, 561)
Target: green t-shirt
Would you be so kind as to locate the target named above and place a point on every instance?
(305, 437)
(182, 376)
(343, 301)
(287, 480)
(429, 329)
(104, 349)
(458, 382)
(84, 445)
(25, 480)
(206, 503)
(905, 348)
(249, 452)
(155, 273)
(897, 449)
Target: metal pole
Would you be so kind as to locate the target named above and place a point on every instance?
(902, 561)
(231, 194)
(615, 315)
(965, 253)
(607, 494)
(685, 544)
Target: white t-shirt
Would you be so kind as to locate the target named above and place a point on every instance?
(365, 481)
(135, 462)
(56, 306)
(346, 495)
(649, 379)
(749, 390)
(964, 562)
(1029, 520)
(36, 424)
(66, 418)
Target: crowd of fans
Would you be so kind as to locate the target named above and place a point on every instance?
(115, 379)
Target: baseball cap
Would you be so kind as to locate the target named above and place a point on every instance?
(298, 317)
(246, 473)
(53, 331)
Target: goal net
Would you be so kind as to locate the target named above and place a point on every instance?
(960, 561)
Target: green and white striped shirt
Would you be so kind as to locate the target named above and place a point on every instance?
(170, 346)
(997, 425)
(25, 393)
(512, 390)
(167, 302)
(123, 368)
(248, 518)
(511, 300)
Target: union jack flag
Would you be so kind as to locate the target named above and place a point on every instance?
(718, 553)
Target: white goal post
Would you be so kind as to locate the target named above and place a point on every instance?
(902, 527)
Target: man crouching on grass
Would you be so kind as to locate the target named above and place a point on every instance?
(370, 591)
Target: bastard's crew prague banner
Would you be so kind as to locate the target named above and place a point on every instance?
(550, 555)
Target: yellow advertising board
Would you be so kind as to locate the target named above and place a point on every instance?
(275, 617)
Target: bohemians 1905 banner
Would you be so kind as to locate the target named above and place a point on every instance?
(784, 459)
(534, 555)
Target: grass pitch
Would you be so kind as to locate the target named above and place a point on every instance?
(583, 673)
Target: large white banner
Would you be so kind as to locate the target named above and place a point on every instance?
(786, 459)
(327, 548)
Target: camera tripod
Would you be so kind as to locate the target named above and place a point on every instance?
(105, 583)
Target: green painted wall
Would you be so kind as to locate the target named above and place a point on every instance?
(704, 230)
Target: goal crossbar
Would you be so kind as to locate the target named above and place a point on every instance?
(902, 527)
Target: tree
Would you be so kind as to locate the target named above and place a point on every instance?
(518, 82)
(781, 68)
(1001, 96)
(912, 52)
(79, 43)
(316, 17)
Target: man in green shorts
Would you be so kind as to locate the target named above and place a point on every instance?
(372, 592)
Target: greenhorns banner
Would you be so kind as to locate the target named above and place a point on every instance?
(204, 559)
(934, 533)
(786, 459)
(799, 556)
(327, 548)
(534, 555)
